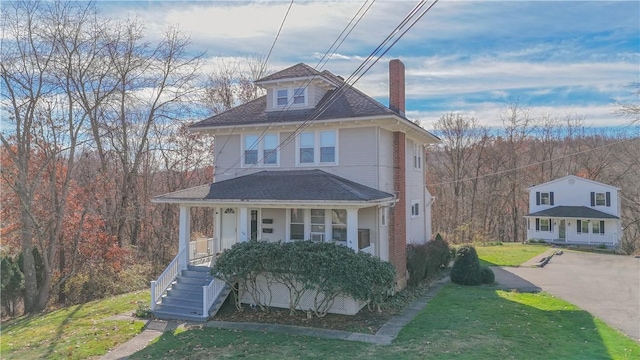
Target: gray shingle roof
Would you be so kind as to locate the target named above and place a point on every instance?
(352, 103)
(296, 71)
(290, 185)
(581, 212)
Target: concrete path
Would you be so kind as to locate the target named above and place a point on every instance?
(384, 336)
(607, 286)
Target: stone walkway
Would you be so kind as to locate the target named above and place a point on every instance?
(385, 335)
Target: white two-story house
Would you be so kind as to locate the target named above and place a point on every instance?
(314, 159)
(574, 210)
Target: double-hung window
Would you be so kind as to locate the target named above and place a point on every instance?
(544, 198)
(545, 225)
(317, 147)
(339, 224)
(294, 96)
(296, 226)
(317, 225)
(260, 151)
(417, 156)
(415, 208)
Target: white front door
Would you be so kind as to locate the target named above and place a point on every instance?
(229, 228)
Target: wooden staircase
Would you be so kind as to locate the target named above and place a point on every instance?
(183, 300)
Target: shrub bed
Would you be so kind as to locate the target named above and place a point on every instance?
(304, 266)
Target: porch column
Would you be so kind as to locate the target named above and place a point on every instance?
(244, 219)
(184, 235)
(352, 229)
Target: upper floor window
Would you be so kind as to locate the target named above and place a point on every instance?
(601, 198)
(261, 151)
(417, 156)
(544, 198)
(317, 147)
(290, 96)
(415, 208)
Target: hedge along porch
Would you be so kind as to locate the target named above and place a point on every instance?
(288, 206)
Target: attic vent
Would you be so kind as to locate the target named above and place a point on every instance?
(572, 181)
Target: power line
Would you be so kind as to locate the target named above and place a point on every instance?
(328, 54)
(266, 60)
(396, 34)
(530, 165)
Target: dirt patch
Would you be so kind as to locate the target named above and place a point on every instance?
(366, 321)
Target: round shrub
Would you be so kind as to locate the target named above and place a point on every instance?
(488, 277)
(466, 268)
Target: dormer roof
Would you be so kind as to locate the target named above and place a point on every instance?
(299, 72)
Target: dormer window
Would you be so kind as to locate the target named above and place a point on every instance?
(294, 96)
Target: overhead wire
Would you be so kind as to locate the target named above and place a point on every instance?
(394, 36)
(362, 11)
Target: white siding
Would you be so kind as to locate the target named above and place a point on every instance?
(227, 151)
(415, 190)
(279, 223)
(610, 237)
(315, 95)
(577, 194)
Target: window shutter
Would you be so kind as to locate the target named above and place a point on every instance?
(551, 198)
(608, 198)
(550, 225)
(601, 226)
(537, 224)
(579, 225)
(593, 199)
(537, 197)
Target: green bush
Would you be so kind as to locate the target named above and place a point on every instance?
(11, 284)
(488, 277)
(303, 267)
(427, 260)
(466, 268)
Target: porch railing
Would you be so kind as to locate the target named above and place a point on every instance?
(199, 254)
(210, 293)
(159, 286)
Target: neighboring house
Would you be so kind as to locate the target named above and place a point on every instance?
(314, 159)
(574, 210)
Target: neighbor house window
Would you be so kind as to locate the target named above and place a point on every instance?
(291, 97)
(339, 224)
(595, 227)
(545, 225)
(544, 198)
(582, 226)
(601, 198)
(417, 156)
(316, 148)
(297, 224)
(261, 150)
(415, 208)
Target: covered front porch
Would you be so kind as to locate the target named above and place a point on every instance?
(576, 225)
(276, 206)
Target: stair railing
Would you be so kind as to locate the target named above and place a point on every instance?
(210, 293)
(159, 286)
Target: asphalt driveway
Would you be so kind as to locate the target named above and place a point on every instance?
(607, 286)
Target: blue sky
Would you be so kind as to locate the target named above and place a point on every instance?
(557, 58)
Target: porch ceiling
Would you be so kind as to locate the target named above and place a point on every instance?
(581, 212)
(312, 187)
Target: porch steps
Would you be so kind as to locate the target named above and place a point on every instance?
(183, 299)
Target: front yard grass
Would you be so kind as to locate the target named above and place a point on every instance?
(75, 332)
(460, 322)
(508, 254)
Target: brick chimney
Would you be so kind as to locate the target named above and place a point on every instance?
(396, 86)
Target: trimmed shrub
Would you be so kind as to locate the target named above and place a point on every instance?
(488, 277)
(426, 260)
(466, 268)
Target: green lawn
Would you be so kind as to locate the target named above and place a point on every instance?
(508, 254)
(460, 322)
(75, 332)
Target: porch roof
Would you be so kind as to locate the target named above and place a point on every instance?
(280, 187)
(582, 212)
